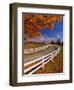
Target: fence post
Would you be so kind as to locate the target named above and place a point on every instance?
(56, 52)
(43, 63)
(52, 56)
(58, 49)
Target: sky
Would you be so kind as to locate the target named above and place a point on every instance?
(49, 35)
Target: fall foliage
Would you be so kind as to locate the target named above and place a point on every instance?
(34, 23)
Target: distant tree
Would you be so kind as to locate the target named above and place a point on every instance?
(58, 41)
(52, 42)
(62, 43)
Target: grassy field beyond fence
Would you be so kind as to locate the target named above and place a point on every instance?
(55, 66)
(33, 45)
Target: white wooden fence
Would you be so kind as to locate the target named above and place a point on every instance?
(33, 50)
(40, 62)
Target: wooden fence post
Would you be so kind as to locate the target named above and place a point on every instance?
(43, 63)
(52, 56)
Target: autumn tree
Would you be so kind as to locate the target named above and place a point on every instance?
(34, 23)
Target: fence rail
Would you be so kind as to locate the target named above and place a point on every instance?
(34, 65)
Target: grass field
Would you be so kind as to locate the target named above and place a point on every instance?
(55, 66)
(33, 45)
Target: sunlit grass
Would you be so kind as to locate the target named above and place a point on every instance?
(33, 45)
(54, 66)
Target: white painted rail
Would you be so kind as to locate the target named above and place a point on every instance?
(40, 62)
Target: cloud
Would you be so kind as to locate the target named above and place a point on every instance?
(43, 39)
(59, 36)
